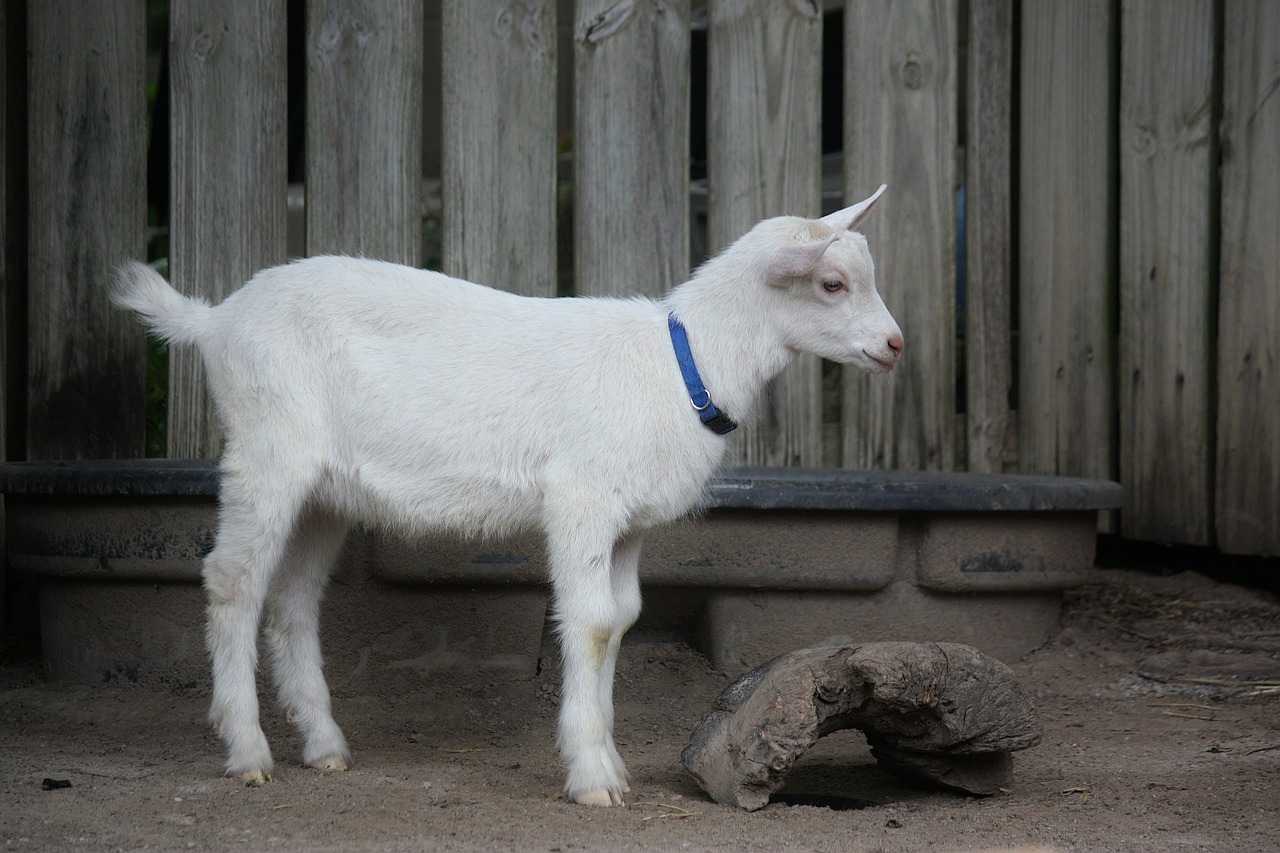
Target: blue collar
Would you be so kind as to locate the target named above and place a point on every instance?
(715, 420)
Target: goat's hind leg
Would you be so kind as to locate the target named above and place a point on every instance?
(237, 575)
(293, 636)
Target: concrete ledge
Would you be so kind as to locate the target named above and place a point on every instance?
(780, 559)
(909, 491)
(100, 537)
(743, 488)
(741, 629)
(780, 549)
(1019, 552)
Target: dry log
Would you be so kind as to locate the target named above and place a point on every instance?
(942, 713)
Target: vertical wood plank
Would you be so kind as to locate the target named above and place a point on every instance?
(87, 177)
(499, 154)
(631, 146)
(6, 294)
(764, 158)
(229, 106)
(988, 236)
(900, 129)
(1167, 163)
(6, 272)
(1067, 223)
(1248, 458)
(364, 128)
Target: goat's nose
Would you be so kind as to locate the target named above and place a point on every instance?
(895, 343)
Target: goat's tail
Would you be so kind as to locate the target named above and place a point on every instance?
(176, 318)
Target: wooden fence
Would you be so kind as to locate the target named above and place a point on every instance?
(1119, 314)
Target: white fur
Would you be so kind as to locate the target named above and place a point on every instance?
(355, 391)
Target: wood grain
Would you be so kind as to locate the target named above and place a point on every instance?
(8, 284)
(1066, 248)
(87, 214)
(900, 129)
(7, 292)
(1248, 452)
(631, 146)
(364, 128)
(499, 154)
(988, 180)
(764, 159)
(1167, 240)
(229, 151)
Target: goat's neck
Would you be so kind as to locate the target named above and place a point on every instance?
(737, 352)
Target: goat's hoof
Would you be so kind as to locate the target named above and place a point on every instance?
(330, 763)
(609, 797)
(251, 778)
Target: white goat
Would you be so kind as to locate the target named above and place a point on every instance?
(359, 391)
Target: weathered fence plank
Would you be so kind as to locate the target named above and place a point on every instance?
(631, 146)
(1248, 458)
(988, 319)
(900, 129)
(228, 186)
(1167, 236)
(7, 291)
(764, 158)
(7, 281)
(87, 189)
(364, 128)
(1066, 265)
(499, 156)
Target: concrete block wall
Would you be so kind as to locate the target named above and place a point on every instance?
(780, 560)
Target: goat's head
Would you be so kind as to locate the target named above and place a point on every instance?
(827, 278)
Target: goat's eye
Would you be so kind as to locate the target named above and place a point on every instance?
(833, 286)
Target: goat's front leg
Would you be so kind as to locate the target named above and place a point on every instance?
(589, 620)
(625, 580)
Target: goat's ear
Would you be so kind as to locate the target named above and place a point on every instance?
(848, 219)
(800, 259)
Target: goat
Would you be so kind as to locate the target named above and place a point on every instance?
(358, 391)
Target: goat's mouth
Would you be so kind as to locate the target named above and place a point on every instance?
(882, 365)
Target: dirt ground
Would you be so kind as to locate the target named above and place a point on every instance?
(1160, 699)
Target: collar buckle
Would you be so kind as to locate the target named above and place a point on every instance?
(699, 397)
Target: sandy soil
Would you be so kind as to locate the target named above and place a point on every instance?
(1161, 733)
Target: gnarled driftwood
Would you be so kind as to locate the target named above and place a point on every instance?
(936, 712)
